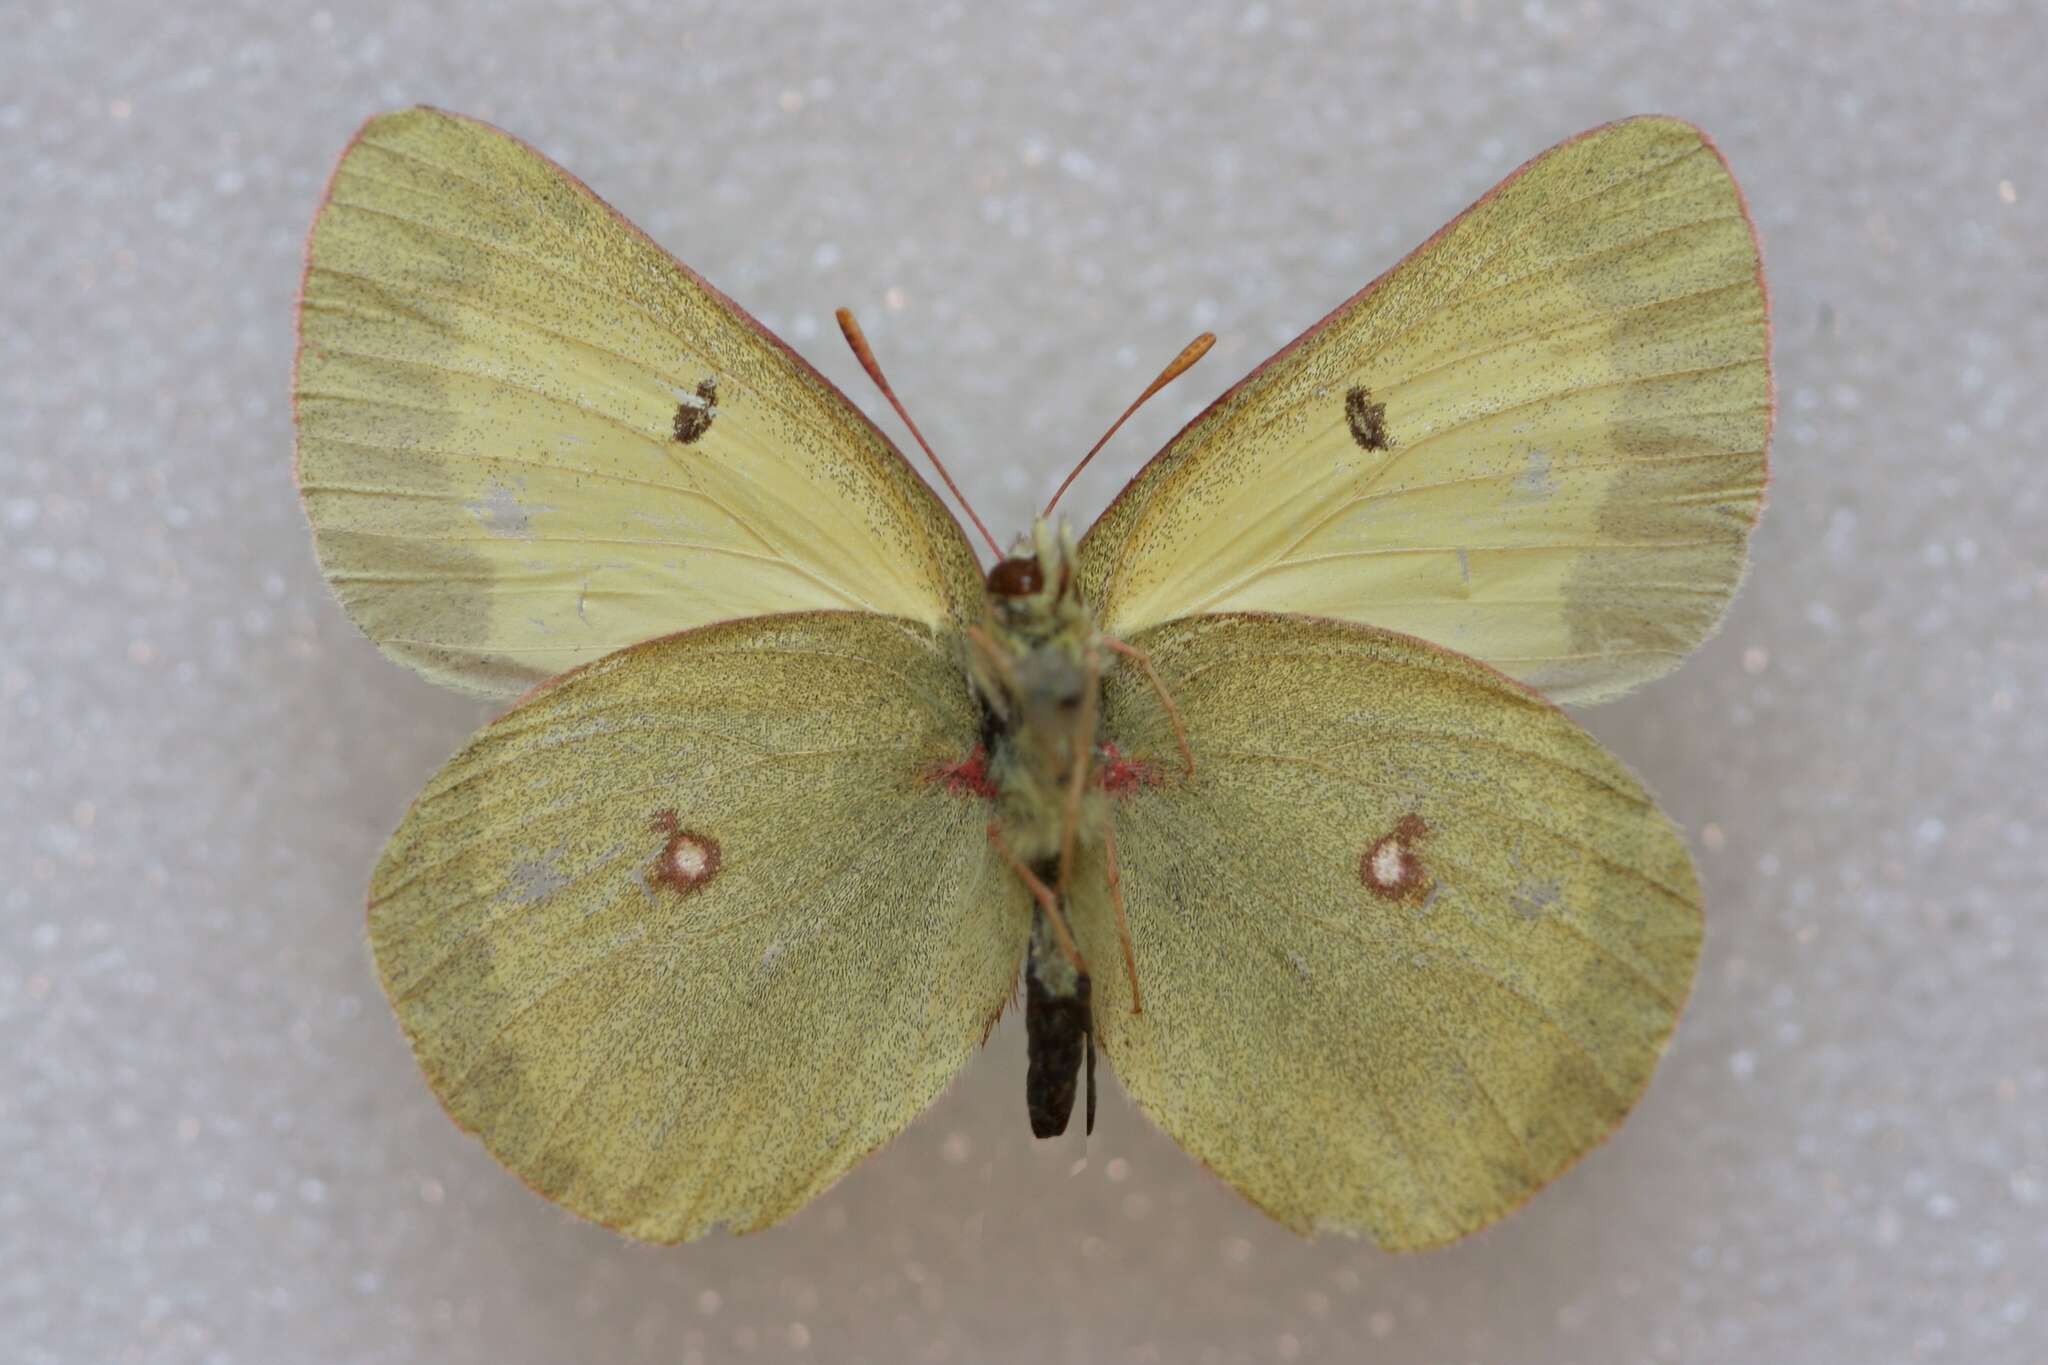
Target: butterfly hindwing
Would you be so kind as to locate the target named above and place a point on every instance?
(1539, 440)
(528, 436)
(1409, 941)
(689, 932)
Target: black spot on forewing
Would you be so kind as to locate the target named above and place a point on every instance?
(1367, 419)
(694, 415)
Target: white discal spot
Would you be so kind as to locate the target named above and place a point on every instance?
(1389, 864)
(688, 859)
(1391, 867)
(1295, 961)
(770, 954)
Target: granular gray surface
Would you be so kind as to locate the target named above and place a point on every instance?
(215, 1146)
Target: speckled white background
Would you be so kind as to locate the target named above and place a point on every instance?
(213, 1146)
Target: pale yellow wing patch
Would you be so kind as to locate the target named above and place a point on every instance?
(1410, 941)
(687, 934)
(1539, 440)
(528, 436)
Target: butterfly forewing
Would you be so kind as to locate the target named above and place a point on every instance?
(1539, 440)
(528, 436)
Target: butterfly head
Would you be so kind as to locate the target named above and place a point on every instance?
(1032, 594)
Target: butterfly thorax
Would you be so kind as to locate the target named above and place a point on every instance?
(1037, 671)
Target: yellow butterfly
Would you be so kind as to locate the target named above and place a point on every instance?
(1254, 782)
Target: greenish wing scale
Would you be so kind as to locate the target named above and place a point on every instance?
(528, 436)
(690, 931)
(1410, 941)
(1539, 440)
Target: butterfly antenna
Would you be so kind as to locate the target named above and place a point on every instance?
(866, 355)
(1180, 365)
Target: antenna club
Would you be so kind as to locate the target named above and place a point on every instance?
(865, 354)
(1175, 368)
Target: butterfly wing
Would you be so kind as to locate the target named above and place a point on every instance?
(528, 436)
(1410, 941)
(1539, 440)
(689, 932)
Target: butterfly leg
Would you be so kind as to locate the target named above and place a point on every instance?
(1144, 661)
(1043, 894)
(1091, 1075)
(1123, 926)
(1082, 751)
(990, 656)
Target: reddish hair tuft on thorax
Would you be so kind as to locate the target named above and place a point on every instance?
(968, 777)
(1121, 776)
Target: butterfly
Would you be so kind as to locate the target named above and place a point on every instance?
(1260, 784)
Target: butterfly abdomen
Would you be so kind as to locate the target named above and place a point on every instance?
(1059, 1029)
